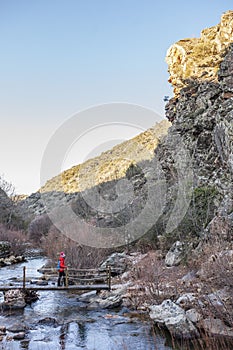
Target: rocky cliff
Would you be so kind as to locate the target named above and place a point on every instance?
(202, 116)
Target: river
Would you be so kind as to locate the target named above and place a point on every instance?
(58, 321)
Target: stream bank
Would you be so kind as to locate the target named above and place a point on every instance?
(61, 320)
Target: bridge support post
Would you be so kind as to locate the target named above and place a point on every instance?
(24, 277)
(109, 277)
(66, 278)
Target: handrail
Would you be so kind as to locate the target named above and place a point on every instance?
(90, 275)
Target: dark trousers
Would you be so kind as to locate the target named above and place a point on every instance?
(62, 276)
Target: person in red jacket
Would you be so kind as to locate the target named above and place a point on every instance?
(62, 275)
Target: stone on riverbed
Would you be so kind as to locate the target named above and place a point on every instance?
(14, 299)
(18, 299)
(19, 336)
(2, 330)
(104, 300)
(17, 328)
(49, 321)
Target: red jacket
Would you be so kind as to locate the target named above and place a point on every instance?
(62, 264)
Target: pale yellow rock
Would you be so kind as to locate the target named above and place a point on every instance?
(199, 58)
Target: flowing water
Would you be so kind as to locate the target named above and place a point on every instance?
(58, 321)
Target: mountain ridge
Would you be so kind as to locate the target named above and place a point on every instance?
(111, 164)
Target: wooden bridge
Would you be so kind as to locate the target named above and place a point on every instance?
(75, 279)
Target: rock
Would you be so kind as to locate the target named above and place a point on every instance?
(193, 315)
(175, 254)
(2, 330)
(17, 328)
(19, 336)
(200, 58)
(13, 260)
(118, 263)
(10, 260)
(85, 297)
(42, 283)
(186, 300)
(173, 317)
(110, 302)
(104, 300)
(216, 327)
(49, 321)
(14, 299)
(190, 276)
(18, 299)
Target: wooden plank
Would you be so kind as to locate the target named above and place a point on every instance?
(73, 270)
(72, 278)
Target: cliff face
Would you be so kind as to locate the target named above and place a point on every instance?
(202, 116)
(200, 58)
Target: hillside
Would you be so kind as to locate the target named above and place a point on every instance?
(110, 165)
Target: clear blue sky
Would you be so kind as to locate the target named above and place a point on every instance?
(59, 57)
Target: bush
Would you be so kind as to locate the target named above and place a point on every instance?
(200, 212)
(17, 240)
(39, 227)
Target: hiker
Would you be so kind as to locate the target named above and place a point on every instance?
(62, 267)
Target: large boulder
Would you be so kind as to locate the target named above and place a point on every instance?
(14, 299)
(173, 317)
(118, 263)
(18, 299)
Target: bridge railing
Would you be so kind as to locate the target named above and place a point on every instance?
(76, 276)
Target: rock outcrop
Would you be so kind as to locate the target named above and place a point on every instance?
(200, 58)
(202, 118)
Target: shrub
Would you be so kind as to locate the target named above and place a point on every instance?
(39, 227)
(17, 240)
